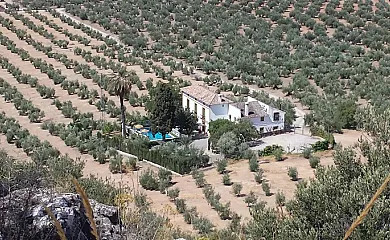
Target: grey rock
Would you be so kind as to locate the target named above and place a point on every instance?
(68, 210)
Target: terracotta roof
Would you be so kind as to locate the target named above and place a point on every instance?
(204, 95)
(254, 109)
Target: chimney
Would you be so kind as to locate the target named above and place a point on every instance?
(246, 109)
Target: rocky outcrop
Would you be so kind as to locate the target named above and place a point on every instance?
(27, 207)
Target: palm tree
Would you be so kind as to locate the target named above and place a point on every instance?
(120, 85)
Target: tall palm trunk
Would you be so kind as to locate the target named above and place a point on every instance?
(123, 115)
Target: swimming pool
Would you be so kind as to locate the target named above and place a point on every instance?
(157, 136)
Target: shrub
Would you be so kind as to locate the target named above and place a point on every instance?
(237, 187)
(293, 173)
(228, 145)
(173, 193)
(199, 178)
(259, 176)
(307, 152)
(234, 225)
(250, 199)
(36, 116)
(203, 225)
(314, 161)
(269, 150)
(266, 188)
(10, 135)
(131, 164)
(163, 184)
(140, 200)
(253, 164)
(223, 211)
(320, 146)
(164, 175)
(148, 180)
(190, 215)
(280, 199)
(226, 180)
(221, 166)
(278, 153)
(116, 165)
(194, 173)
(180, 205)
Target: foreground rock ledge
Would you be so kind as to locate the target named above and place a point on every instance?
(66, 207)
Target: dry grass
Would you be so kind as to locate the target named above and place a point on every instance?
(57, 224)
(87, 206)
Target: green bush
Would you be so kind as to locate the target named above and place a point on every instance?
(280, 199)
(148, 180)
(259, 176)
(173, 193)
(253, 164)
(203, 225)
(314, 161)
(164, 175)
(293, 173)
(269, 150)
(140, 200)
(131, 164)
(307, 152)
(200, 181)
(320, 146)
(116, 165)
(199, 178)
(223, 211)
(237, 187)
(250, 199)
(226, 179)
(278, 153)
(190, 215)
(180, 205)
(163, 185)
(221, 166)
(266, 188)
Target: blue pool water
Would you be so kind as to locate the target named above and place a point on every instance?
(157, 136)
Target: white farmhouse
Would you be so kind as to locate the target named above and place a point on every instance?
(209, 106)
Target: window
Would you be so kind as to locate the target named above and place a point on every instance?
(261, 130)
(230, 117)
(235, 119)
(203, 113)
(275, 128)
(262, 119)
(195, 108)
(188, 103)
(223, 105)
(276, 116)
